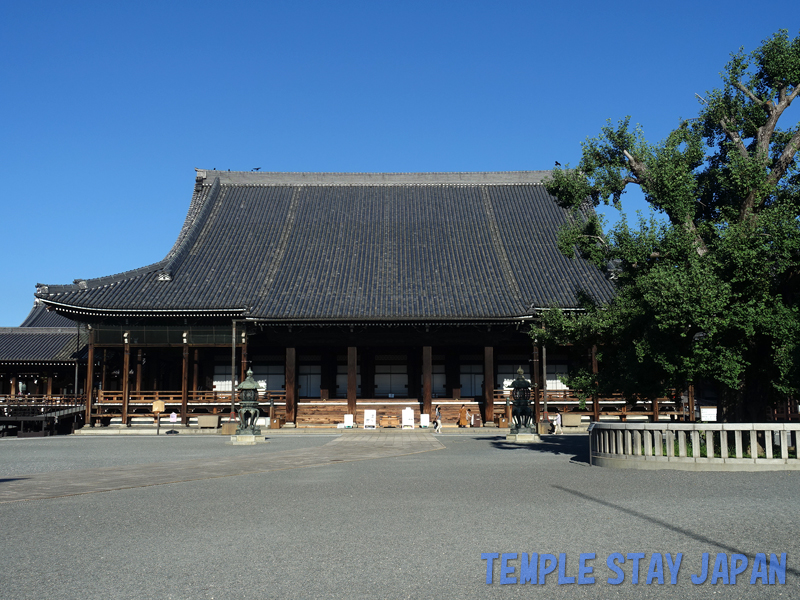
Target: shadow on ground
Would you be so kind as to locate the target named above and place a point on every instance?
(576, 445)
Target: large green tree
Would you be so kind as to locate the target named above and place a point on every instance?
(707, 285)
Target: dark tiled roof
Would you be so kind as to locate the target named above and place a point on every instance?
(39, 344)
(355, 246)
(41, 317)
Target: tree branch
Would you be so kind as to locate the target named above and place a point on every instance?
(779, 169)
(748, 93)
(639, 169)
(734, 137)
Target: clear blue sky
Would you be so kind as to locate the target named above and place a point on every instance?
(108, 107)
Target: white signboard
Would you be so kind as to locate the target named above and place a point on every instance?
(408, 418)
(348, 421)
(708, 413)
(173, 418)
(370, 419)
(424, 421)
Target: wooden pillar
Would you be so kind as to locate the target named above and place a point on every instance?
(245, 361)
(89, 377)
(13, 390)
(291, 385)
(352, 379)
(126, 381)
(537, 382)
(195, 368)
(488, 384)
(138, 387)
(49, 390)
(233, 369)
(427, 375)
(595, 396)
(185, 387)
(655, 410)
(691, 404)
(544, 381)
(104, 370)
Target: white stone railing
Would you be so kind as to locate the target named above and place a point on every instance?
(695, 446)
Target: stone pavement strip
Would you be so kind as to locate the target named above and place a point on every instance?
(345, 448)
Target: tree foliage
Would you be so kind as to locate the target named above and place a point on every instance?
(709, 289)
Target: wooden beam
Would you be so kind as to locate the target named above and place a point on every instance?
(185, 386)
(427, 375)
(488, 384)
(352, 379)
(691, 403)
(291, 385)
(126, 383)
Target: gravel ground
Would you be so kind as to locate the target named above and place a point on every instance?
(413, 526)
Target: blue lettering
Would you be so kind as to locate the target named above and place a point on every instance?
(562, 570)
(698, 579)
(778, 569)
(720, 569)
(527, 570)
(759, 569)
(545, 568)
(585, 572)
(506, 569)
(738, 565)
(635, 557)
(489, 558)
(656, 570)
(674, 567)
(611, 563)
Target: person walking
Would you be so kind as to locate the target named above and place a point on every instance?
(437, 420)
(557, 424)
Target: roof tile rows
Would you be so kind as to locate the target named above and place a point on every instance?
(329, 248)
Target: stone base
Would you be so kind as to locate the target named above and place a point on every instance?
(523, 438)
(289, 425)
(246, 440)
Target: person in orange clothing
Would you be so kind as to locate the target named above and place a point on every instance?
(462, 416)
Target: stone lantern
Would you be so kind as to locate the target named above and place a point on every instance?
(248, 406)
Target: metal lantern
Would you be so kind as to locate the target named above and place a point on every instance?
(521, 415)
(248, 406)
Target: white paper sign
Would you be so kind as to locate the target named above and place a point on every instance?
(370, 419)
(348, 421)
(424, 421)
(173, 418)
(408, 418)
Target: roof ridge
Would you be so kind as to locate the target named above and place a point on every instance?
(190, 230)
(399, 178)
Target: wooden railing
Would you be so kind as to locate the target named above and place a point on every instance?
(204, 397)
(39, 399)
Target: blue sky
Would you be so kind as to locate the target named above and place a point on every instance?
(106, 108)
